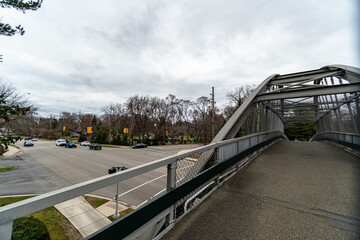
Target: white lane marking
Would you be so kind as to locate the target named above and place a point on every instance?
(148, 183)
(141, 185)
(156, 194)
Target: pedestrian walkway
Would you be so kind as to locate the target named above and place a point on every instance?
(84, 217)
(294, 190)
(108, 209)
(11, 151)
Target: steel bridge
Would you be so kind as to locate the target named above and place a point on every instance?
(290, 190)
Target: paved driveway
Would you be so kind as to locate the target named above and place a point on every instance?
(29, 177)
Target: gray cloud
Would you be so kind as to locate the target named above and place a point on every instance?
(77, 56)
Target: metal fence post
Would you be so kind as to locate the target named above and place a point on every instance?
(171, 176)
(6, 230)
(171, 183)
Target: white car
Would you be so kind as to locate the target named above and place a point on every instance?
(85, 143)
(60, 142)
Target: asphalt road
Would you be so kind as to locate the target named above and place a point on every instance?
(70, 166)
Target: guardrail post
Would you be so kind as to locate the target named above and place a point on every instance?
(6, 230)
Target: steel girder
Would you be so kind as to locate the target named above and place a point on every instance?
(301, 97)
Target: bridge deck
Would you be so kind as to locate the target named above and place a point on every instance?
(294, 190)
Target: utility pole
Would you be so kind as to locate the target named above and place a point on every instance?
(213, 113)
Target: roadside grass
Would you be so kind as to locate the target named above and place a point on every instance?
(94, 201)
(58, 226)
(122, 213)
(3, 169)
(9, 200)
(112, 146)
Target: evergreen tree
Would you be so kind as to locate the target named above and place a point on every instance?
(5, 28)
(20, 5)
(7, 112)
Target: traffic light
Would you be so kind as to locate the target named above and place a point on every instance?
(126, 130)
(89, 130)
(64, 129)
(167, 133)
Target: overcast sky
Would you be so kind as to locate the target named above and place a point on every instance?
(83, 55)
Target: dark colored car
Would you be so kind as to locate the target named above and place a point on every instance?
(28, 143)
(70, 144)
(28, 138)
(95, 146)
(139, 145)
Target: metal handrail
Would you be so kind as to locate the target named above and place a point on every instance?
(351, 140)
(16, 210)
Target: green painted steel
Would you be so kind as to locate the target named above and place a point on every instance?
(123, 227)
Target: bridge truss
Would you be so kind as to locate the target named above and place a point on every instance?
(328, 97)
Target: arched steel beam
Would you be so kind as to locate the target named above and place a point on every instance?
(232, 126)
(352, 74)
(262, 93)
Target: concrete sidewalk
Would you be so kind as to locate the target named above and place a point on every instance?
(84, 217)
(12, 151)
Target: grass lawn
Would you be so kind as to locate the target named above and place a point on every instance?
(9, 200)
(123, 213)
(95, 202)
(3, 169)
(58, 226)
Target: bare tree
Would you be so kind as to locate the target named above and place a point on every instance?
(116, 119)
(201, 117)
(139, 110)
(236, 98)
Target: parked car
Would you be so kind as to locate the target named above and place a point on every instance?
(95, 146)
(139, 145)
(70, 144)
(35, 139)
(28, 138)
(85, 143)
(60, 142)
(28, 143)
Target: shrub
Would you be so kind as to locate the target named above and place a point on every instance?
(116, 140)
(29, 228)
(82, 138)
(147, 141)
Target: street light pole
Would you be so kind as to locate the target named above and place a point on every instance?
(111, 171)
(213, 113)
(117, 214)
